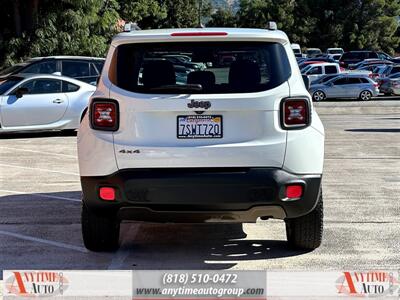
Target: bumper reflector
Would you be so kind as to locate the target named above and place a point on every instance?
(107, 193)
(294, 191)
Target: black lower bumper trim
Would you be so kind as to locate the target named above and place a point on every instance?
(201, 194)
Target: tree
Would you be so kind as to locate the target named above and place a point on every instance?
(184, 13)
(354, 24)
(66, 27)
(256, 13)
(147, 13)
(223, 17)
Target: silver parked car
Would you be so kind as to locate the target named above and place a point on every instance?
(346, 86)
(390, 85)
(42, 102)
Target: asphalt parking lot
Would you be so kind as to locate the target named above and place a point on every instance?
(40, 207)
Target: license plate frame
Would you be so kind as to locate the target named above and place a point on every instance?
(200, 136)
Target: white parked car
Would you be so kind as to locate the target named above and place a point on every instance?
(296, 50)
(333, 51)
(313, 52)
(234, 143)
(315, 71)
(42, 102)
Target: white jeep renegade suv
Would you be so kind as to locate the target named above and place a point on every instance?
(201, 125)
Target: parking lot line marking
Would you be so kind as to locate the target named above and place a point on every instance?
(41, 195)
(41, 152)
(122, 253)
(43, 241)
(40, 169)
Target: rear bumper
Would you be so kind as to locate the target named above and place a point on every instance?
(195, 195)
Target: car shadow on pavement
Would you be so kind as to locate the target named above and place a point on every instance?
(376, 130)
(143, 245)
(198, 246)
(29, 135)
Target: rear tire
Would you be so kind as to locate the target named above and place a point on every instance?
(365, 95)
(318, 96)
(100, 233)
(306, 232)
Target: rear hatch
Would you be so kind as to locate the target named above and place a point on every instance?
(187, 105)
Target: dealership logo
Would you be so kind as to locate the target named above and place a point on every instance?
(36, 284)
(367, 284)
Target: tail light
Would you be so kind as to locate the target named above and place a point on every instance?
(104, 114)
(295, 113)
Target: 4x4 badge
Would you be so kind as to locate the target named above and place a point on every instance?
(199, 104)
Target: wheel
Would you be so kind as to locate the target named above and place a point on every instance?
(365, 95)
(306, 232)
(318, 96)
(99, 233)
(389, 93)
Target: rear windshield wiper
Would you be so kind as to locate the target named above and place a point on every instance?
(177, 87)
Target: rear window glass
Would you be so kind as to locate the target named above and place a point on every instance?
(330, 69)
(201, 68)
(46, 67)
(75, 69)
(68, 87)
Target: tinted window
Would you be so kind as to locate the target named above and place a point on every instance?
(251, 67)
(372, 55)
(12, 70)
(340, 81)
(335, 51)
(396, 75)
(330, 70)
(93, 70)
(364, 80)
(42, 86)
(359, 55)
(350, 55)
(99, 65)
(68, 87)
(395, 70)
(329, 77)
(353, 80)
(47, 67)
(315, 70)
(75, 69)
(5, 85)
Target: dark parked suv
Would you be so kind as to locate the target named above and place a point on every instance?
(86, 69)
(354, 57)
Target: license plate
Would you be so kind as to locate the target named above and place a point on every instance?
(199, 127)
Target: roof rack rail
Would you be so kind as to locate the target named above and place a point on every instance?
(128, 27)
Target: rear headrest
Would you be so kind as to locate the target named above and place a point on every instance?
(205, 78)
(158, 73)
(244, 75)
